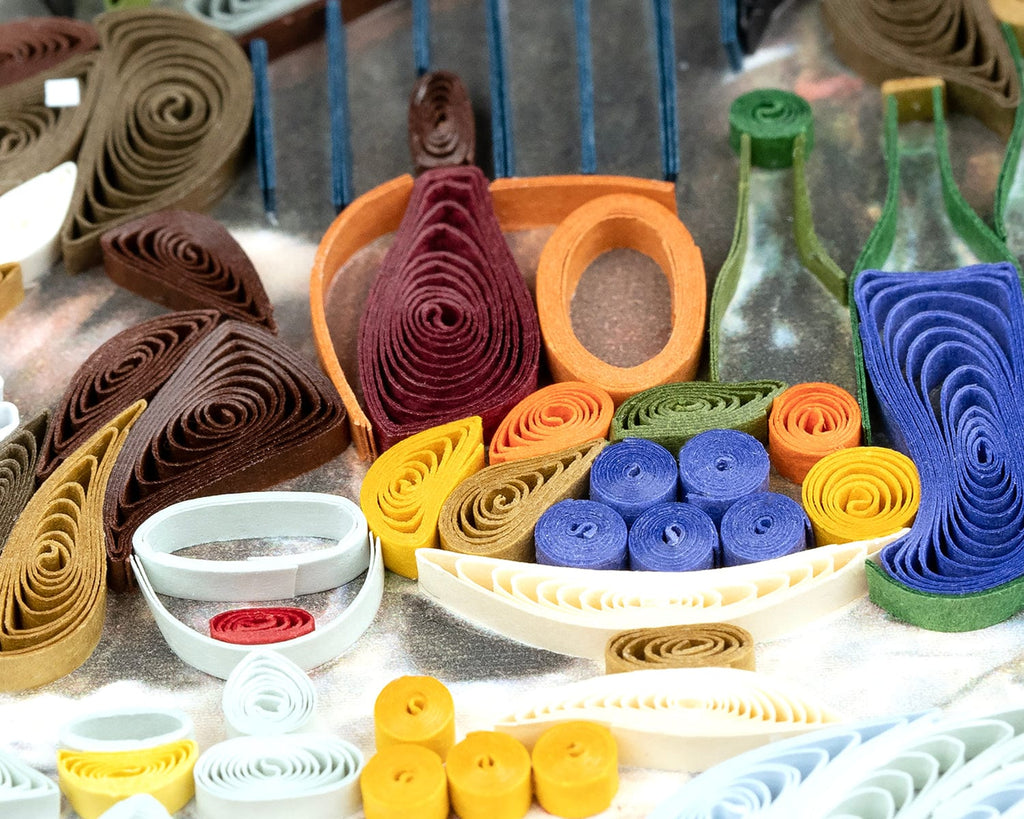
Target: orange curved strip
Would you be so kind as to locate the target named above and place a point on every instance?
(520, 203)
(808, 422)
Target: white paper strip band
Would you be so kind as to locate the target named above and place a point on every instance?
(267, 694)
(575, 611)
(252, 515)
(311, 776)
(680, 719)
(126, 729)
(24, 792)
(139, 806)
(9, 417)
(31, 216)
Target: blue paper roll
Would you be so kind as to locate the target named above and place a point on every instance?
(583, 534)
(945, 356)
(673, 537)
(634, 475)
(720, 466)
(762, 526)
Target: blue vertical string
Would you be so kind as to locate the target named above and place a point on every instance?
(728, 23)
(421, 35)
(263, 125)
(501, 103)
(337, 93)
(585, 71)
(667, 89)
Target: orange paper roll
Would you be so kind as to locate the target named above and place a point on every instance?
(808, 421)
(576, 769)
(417, 711)
(404, 781)
(489, 777)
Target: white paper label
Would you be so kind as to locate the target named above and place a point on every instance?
(62, 93)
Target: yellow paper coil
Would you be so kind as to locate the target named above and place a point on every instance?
(404, 781)
(489, 777)
(415, 710)
(576, 769)
(860, 493)
(404, 489)
(94, 781)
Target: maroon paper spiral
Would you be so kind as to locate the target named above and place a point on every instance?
(441, 128)
(186, 261)
(36, 44)
(449, 329)
(261, 626)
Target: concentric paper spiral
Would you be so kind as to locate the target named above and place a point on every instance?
(24, 791)
(131, 366)
(859, 493)
(489, 777)
(673, 537)
(405, 488)
(404, 780)
(242, 412)
(168, 131)
(576, 769)
(306, 775)
(809, 421)
(773, 119)
(945, 356)
(674, 413)
(449, 328)
(634, 475)
(267, 694)
(240, 16)
(441, 127)
(581, 533)
(552, 419)
(261, 626)
(763, 526)
(187, 261)
(33, 45)
(18, 455)
(494, 512)
(720, 466)
(697, 646)
(415, 710)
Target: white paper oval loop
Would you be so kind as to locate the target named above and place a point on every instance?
(139, 806)
(126, 729)
(25, 793)
(267, 694)
(311, 776)
(31, 216)
(247, 515)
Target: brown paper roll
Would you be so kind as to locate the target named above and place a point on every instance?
(441, 127)
(707, 644)
(34, 45)
(18, 454)
(12, 290)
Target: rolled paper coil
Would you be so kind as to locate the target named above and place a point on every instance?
(673, 537)
(494, 511)
(40, 138)
(634, 475)
(267, 694)
(489, 777)
(53, 608)
(520, 204)
(239, 17)
(32, 45)
(404, 780)
(328, 642)
(808, 422)
(672, 414)
(943, 353)
(310, 775)
(186, 261)
(681, 719)
(576, 611)
(958, 41)
(415, 711)
(441, 127)
(261, 626)
(131, 366)
(773, 120)
(720, 466)
(12, 288)
(138, 806)
(708, 644)
(584, 534)
(94, 781)
(448, 328)
(550, 420)
(242, 412)
(576, 769)
(30, 219)
(128, 728)
(18, 454)
(168, 131)
(404, 490)
(25, 793)
(762, 526)
(607, 223)
(860, 493)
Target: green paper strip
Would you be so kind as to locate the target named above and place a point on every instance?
(671, 414)
(1011, 159)
(771, 129)
(944, 612)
